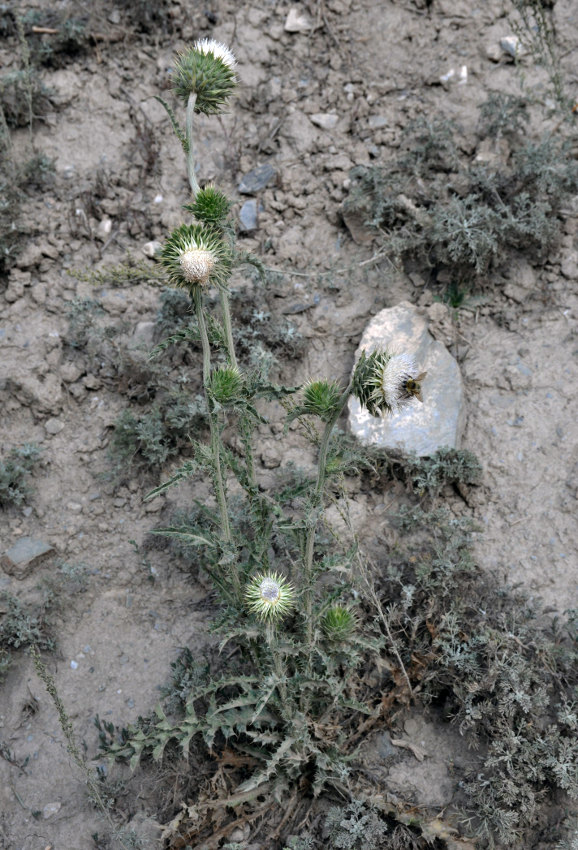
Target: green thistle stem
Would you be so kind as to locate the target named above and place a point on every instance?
(214, 430)
(278, 666)
(315, 515)
(190, 146)
(226, 310)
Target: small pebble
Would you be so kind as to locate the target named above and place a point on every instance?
(51, 809)
(53, 426)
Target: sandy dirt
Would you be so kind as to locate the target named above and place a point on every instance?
(115, 158)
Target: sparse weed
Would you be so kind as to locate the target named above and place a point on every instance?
(146, 441)
(21, 626)
(23, 98)
(355, 827)
(15, 471)
(503, 116)
(29, 619)
(537, 35)
(53, 37)
(130, 273)
(467, 224)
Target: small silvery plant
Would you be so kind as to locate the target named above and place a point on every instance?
(289, 602)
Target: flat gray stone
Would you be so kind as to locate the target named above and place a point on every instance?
(256, 179)
(26, 554)
(421, 428)
(53, 426)
(248, 219)
(325, 120)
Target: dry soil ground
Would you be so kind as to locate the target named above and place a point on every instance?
(118, 183)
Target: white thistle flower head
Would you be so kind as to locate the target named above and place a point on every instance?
(217, 49)
(195, 255)
(197, 265)
(392, 381)
(269, 596)
(384, 382)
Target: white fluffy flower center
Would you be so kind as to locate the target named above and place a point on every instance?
(397, 370)
(218, 50)
(197, 265)
(269, 591)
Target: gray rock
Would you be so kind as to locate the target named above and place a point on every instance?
(569, 266)
(248, 219)
(361, 233)
(422, 428)
(51, 809)
(297, 21)
(325, 120)
(70, 372)
(299, 132)
(257, 179)
(511, 45)
(26, 554)
(376, 122)
(151, 249)
(53, 426)
(144, 333)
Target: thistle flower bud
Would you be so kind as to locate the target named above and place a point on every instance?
(226, 385)
(339, 623)
(321, 398)
(196, 256)
(210, 206)
(385, 382)
(207, 71)
(269, 596)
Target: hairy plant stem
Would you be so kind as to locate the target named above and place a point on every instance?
(215, 437)
(278, 666)
(226, 310)
(190, 146)
(313, 520)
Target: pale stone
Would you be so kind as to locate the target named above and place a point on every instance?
(511, 45)
(51, 809)
(145, 332)
(325, 120)
(151, 249)
(70, 372)
(569, 266)
(27, 553)
(104, 229)
(421, 428)
(39, 293)
(53, 426)
(296, 21)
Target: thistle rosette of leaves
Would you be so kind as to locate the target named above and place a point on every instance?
(207, 71)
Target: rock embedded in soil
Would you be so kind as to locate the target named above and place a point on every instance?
(297, 21)
(26, 554)
(325, 120)
(248, 218)
(421, 428)
(257, 179)
(53, 426)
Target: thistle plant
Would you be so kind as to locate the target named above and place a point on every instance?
(287, 600)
